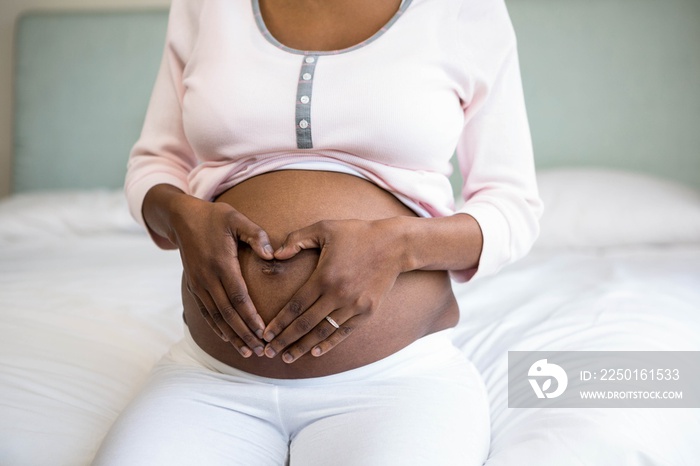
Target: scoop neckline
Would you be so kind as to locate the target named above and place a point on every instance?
(262, 28)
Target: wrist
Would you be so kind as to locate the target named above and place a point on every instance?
(444, 243)
(396, 242)
(163, 208)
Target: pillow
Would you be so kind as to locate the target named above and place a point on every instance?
(64, 213)
(598, 208)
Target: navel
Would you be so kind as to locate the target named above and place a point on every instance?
(272, 267)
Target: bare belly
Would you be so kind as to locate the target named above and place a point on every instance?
(420, 303)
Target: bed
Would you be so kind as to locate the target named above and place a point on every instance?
(616, 267)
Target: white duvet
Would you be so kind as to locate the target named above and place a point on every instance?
(88, 304)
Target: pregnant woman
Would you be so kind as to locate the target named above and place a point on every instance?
(297, 153)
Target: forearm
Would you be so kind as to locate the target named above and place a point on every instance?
(445, 243)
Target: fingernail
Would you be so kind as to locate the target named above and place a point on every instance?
(287, 357)
(316, 351)
(259, 333)
(259, 350)
(269, 352)
(269, 336)
(268, 249)
(245, 352)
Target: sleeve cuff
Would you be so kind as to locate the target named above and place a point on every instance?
(495, 250)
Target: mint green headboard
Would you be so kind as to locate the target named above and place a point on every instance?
(82, 84)
(611, 83)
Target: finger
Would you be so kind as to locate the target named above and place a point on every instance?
(299, 327)
(320, 333)
(223, 333)
(295, 307)
(250, 233)
(226, 315)
(340, 334)
(238, 296)
(207, 317)
(216, 322)
(306, 238)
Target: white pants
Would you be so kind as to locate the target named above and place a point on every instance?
(425, 405)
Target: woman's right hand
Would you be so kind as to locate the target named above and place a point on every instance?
(207, 235)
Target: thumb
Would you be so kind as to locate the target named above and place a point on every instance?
(305, 238)
(256, 237)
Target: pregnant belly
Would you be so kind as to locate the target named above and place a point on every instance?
(420, 302)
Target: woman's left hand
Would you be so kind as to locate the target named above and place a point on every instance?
(358, 265)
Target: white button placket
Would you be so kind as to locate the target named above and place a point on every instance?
(303, 105)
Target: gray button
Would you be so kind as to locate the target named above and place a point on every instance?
(303, 124)
(306, 76)
(304, 99)
(309, 59)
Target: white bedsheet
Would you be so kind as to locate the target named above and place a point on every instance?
(88, 304)
(638, 299)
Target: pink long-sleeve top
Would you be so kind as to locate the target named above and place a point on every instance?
(230, 102)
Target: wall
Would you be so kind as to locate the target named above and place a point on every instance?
(10, 10)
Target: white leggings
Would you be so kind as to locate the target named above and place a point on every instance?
(424, 405)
